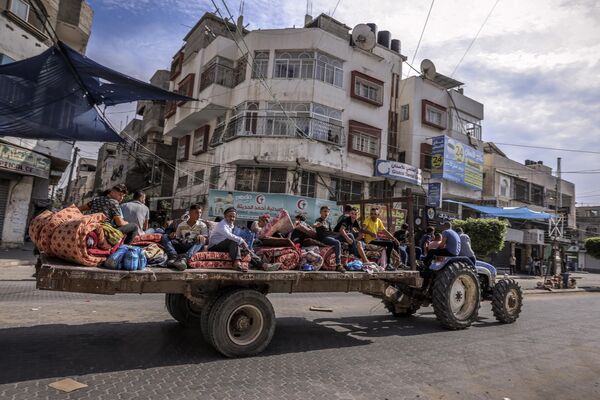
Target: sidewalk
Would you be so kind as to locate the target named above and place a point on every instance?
(18, 257)
(585, 282)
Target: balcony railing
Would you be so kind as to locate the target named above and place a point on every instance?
(217, 73)
(281, 126)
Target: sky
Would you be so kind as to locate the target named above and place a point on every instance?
(534, 65)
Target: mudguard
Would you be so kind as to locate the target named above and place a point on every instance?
(436, 266)
(487, 269)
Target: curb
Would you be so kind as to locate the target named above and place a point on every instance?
(561, 291)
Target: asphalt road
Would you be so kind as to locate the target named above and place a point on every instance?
(128, 347)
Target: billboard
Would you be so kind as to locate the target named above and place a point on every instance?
(456, 162)
(398, 171)
(434, 195)
(251, 205)
(17, 159)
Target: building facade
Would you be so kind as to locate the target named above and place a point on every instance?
(295, 111)
(82, 187)
(29, 167)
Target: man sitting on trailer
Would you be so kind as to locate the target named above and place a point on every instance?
(190, 236)
(372, 226)
(352, 229)
(450, 246)
(222, 239)
(326, 236)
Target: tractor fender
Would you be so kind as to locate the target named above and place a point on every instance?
(449, 260)
(486, 269)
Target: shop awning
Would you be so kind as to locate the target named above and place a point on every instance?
(506, 212)
(53, 96)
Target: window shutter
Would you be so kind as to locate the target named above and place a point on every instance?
(425, 156)
(183, 147)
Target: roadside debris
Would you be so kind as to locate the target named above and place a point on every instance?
(67, 385)
(557, 282)
(322, 309)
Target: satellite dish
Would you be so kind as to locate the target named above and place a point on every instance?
(428, 69)
(363, 37)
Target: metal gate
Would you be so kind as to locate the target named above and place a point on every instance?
(4, 185)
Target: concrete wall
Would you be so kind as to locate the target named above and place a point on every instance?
(17, 211)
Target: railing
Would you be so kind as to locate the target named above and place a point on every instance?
(280, 126)
(216, 73)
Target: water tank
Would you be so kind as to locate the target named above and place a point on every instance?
(373, 27)
(395, 45)
(383, 38)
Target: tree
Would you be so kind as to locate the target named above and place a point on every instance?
(487, 234)
(592, 246)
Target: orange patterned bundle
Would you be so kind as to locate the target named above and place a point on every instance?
(36, 225)
(69, 240)
(44, 237)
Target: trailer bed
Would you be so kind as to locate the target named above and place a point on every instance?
(61, 276)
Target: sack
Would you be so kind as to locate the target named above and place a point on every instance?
(112, 234)
(155, 255)
(355, 265)
(114, 260)
(134, 259)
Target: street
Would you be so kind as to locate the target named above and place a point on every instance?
(127, 347)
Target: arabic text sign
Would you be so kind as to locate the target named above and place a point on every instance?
(456, 162)
(398, 171)
(13, 158)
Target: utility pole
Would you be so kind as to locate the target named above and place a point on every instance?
(73, 162)
(558, 203)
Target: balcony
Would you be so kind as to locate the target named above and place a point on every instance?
(281, 126)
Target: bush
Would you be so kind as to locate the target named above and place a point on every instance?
(592, 246)
(487, 234)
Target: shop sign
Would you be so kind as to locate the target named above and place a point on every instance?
(456, 162)
(23, 161)
(398, 171)
(434, 195)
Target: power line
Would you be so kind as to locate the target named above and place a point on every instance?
(422, 32)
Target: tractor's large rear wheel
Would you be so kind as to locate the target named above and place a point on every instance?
(456, 296)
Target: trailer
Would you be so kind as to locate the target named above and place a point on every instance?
(232, 312)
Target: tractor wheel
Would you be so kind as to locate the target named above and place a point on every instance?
(456, 296)
(507, 301)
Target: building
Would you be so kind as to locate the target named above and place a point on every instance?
(82, 187)
(588, 225)
(295, 111)
(509, 183)
(29, 167)
(441, 132)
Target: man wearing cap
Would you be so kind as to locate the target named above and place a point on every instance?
(222, 239)
(108, 204)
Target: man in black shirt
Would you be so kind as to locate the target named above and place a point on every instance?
(350, 227)
(109, 206)
(326, 235)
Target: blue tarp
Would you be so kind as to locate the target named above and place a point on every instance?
(506, 212)
(53, 96)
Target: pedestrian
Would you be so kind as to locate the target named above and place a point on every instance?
(223, 239)
(137, 212)
(512, 262)
(372, 227)
(326, 236)
(108, 204)
(465, 246)
(449, 246)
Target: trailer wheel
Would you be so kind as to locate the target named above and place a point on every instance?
(507, 300)
(456, 296)
(183, 310)
(241, 323)
(205, 314)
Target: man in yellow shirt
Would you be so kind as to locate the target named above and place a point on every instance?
(372, 226)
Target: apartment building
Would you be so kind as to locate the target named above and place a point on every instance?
(82, 187)
(299, 112)
(28, 167)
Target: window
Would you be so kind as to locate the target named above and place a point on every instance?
(182, 182)
(217, 136)
(307, 184)
(433, 115)
(404, 112)
(239, 72)
(308, 65)
(199, 177)
(592, 213)
(186, 87)
(176, 65)
(200, 140)
(366, 88)
(266, 180)
(537, 195)
(380, 190)
(505, 187)
(213, 179)
(260, 65)
(364, 139)
(219, 70)
(345, 189)
(521, 190)
(4, 59)
(183, 146)
(425, 157)
(20, 8)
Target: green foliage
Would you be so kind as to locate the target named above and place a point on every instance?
(592, 246)
(487, 234)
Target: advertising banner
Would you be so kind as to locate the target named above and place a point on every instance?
(251, 205)
(23, 161)
(398, 171)
(456, 162)
(434, 195)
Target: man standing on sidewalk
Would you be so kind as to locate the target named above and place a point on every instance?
(512, 264)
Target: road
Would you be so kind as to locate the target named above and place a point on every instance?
(128, 347)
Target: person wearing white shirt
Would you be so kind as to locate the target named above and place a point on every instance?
(222, 239)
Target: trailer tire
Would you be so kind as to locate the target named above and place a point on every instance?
(183, 310)
(507, 301)
(456, 296)
(205, 314)
(241, 323)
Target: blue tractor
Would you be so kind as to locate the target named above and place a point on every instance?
(455, 288)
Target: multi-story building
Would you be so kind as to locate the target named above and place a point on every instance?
(82, 187)
(294, 111)
(509, 183)
(29, 167)
(440, 131)
(588, 225)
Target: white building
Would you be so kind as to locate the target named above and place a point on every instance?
(432, 107)
(29, 166)
(296, 111)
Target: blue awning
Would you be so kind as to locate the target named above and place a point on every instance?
(506, 212)
(53, 96)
